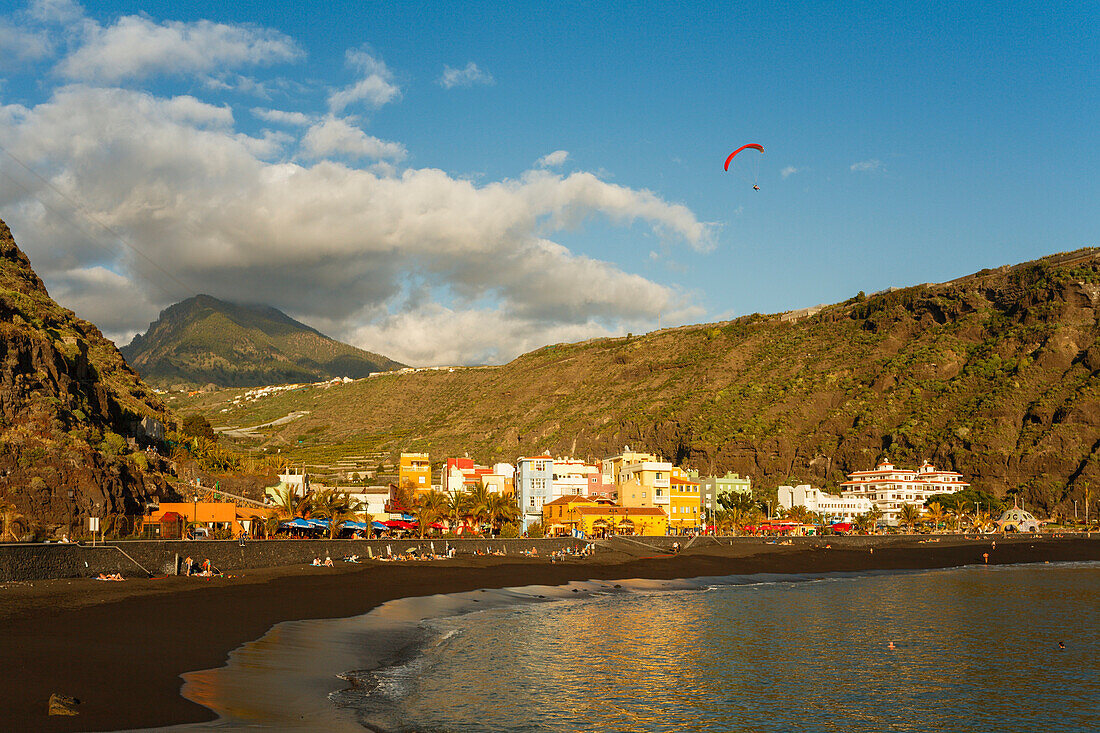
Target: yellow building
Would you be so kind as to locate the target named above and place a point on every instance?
(613, 466)
(560, 516)
(684, 501)
(603, 520)
(415, 471)
(640, 479)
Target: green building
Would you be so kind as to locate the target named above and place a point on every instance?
(711, 486)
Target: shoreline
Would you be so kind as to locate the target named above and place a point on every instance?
(79, 638)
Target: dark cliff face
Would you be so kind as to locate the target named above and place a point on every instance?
(71, 412)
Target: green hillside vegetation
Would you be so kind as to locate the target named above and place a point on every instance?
(204, 340)
(996, 375)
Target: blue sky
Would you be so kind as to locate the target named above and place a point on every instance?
(374, 168)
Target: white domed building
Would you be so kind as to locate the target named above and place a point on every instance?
(1017, 520)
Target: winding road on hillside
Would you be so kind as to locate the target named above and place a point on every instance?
(250, 432)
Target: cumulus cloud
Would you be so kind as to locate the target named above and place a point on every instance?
(135, 47)
(375, 89)
(333, 136)
(788, 171)
(863, 166)
(416, 262)
(552, 160)
(279, 117)
(467, 76)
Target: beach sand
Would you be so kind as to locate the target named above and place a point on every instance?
(120, 647)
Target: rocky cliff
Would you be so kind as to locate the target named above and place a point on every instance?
(74, 418)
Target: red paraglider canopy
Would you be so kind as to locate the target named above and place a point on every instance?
(754, 146)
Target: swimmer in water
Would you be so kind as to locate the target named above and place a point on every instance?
(891, 646)
(1061, 645)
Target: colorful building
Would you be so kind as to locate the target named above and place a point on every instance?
(640, 479)
(211, 515)
(415, 470)
(560, 516)
(533, 480)
(711, 487)
(684, 505)
(602, 520)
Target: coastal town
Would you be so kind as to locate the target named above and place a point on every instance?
(632, 493)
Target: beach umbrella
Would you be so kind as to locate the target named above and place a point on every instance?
(297, 523)
(379, 525)
(354, 525)
(322, 523)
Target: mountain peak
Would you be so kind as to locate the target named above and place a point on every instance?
(204, 339)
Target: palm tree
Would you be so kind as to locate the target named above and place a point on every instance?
(290, 505)
(457, 504)
(864, 522)
(502, 509)
(800, 514)
(430, 506)
(335, 506)
(477, 508)
(909, 515)
(935, 514)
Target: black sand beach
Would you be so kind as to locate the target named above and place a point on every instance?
(120, 647)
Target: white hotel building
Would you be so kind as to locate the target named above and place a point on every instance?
(888, 487)
(830, 506)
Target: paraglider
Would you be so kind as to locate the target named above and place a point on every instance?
(748, 146)
(753, 146)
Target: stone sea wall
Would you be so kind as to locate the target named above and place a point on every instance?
(160, 557)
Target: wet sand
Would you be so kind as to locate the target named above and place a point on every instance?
(120, 647)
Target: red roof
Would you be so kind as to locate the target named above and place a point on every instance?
(567, 499)
(171, 517)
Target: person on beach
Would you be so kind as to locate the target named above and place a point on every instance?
(187, 563)
(316, 562)
(328, 561)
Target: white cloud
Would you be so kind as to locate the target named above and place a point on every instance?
(467, 76)
(280, 117)
(55, 11)
(136, 47)
(20, 44)
(375, 89)
(871, 164)
(415, 263)
(552, 160)
(333, 136)
(788, 171)
(93, 294)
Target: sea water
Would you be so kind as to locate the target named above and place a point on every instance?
(973, 649)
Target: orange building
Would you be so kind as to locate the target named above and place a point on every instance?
(211, 515)
(415, 470)
(684, 501)
(560, 516)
